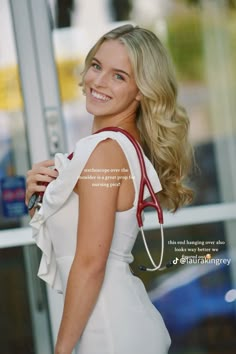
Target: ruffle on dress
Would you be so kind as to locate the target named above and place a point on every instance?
(59, 190)
(48, 270)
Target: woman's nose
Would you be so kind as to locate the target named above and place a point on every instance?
(101, 79)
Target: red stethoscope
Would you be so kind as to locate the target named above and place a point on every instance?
(36, 200)
(142, 204)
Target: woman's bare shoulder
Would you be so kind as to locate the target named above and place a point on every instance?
(108, 152)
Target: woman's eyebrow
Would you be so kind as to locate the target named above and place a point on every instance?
(113, 69)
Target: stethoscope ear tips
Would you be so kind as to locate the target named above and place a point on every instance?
(169, 264)
(142, 267)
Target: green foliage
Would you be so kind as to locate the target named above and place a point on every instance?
(230, 3)
(185, 42)
(193, 2)
(232, 36)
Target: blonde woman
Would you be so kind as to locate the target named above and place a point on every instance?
(86, 226)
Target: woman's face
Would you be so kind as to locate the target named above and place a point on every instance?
(109, 83)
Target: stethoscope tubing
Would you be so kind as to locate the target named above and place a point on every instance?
(144, 179)
(142, 204)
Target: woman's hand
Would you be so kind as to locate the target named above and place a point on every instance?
(40, 172)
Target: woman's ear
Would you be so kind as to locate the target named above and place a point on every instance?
(139, 96)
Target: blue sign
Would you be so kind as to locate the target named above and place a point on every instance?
(13, 196)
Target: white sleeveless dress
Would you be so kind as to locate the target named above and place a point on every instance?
(123, 321)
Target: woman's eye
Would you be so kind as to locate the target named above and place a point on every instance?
(96, 66)
(119, 77)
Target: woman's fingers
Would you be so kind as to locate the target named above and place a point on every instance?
(42, 172)
(42, 175)
(45, 167)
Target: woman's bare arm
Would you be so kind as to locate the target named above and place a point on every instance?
(97, 208)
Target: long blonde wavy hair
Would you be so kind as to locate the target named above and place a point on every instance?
(162, 123)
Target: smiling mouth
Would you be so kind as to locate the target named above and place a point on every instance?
(100, 96)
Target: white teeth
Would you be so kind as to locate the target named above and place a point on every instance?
(100, 96)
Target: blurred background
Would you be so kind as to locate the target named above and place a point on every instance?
(43, 44)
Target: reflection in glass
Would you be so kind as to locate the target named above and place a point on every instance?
(19, 319)
(192, 296)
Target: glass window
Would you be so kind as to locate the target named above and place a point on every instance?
(196, 296)
(23, 303)
(200, 41)
(13, 156)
